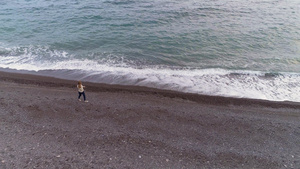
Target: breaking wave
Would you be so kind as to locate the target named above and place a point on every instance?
(275, 86)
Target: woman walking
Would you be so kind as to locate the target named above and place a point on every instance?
(81, 91)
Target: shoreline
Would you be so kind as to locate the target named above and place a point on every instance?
(30, 78)
(243, 93)
(44, 126)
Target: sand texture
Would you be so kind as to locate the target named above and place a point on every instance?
(43, 125)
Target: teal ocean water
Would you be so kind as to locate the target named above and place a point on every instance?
(234, 48)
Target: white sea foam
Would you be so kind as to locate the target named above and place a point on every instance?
(207, 81)
(241, 84)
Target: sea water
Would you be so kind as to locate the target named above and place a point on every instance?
(233, 48)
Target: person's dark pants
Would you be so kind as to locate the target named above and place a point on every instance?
(81, 93)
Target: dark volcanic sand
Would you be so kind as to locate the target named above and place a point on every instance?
(44, 126)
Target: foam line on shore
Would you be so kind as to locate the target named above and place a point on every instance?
(51, 82)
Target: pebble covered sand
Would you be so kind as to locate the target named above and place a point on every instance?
(43, 125)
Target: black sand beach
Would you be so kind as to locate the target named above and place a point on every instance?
(43, 125)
